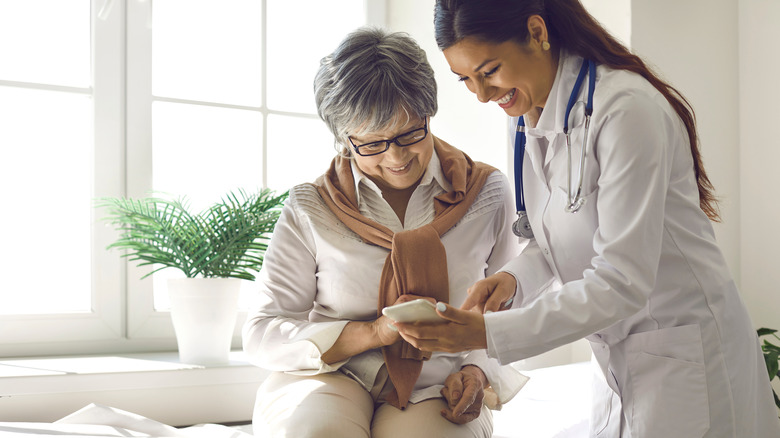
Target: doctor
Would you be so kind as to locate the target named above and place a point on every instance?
(618, 216)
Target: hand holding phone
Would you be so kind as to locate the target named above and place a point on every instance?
(419, 310)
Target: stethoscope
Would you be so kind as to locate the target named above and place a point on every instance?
(522, 227)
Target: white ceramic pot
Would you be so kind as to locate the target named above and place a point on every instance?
(204, 312)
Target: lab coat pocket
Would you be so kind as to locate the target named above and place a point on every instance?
(668, 384)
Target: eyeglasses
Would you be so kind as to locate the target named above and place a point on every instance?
(406, 139)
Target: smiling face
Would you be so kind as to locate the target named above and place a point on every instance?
(518, 77)
(398, 168)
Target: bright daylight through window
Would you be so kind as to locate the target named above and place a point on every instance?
(127, 97)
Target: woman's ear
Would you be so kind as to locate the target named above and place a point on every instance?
(537, 32)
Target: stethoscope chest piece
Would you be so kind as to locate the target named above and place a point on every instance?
(522, 227)
(575, 206)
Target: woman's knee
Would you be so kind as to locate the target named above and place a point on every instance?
(424, 420)
(312, 406)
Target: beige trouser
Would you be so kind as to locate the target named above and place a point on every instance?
(335, 406)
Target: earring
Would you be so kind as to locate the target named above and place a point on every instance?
(545, 46)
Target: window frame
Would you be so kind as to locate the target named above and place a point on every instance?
(38, 333)
(123, 318)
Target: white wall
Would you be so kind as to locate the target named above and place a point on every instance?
(614, 15)
(758, 115)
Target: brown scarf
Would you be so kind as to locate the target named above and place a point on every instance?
(417, 262)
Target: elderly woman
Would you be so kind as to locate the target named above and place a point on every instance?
(399, 215)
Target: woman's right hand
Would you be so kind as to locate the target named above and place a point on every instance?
(384, 327)
(493, 293)
(385, 331)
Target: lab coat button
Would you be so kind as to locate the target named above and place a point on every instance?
(546, 251)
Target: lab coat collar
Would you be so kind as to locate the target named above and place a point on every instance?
(432, 173)
(551, 121)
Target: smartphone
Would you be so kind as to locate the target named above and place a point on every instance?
(419, 310)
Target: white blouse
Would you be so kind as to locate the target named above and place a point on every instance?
(318, 275)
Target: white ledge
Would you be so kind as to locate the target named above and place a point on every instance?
(155, 385)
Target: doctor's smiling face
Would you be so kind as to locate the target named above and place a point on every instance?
(398, 167)
(518, 77)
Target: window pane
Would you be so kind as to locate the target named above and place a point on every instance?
(299, 41)
(207, 50)
(299, 150)
(45, 41)
(46, 187)
(203, 152)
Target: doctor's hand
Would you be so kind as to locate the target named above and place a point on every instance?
(464, 392)
(493, 293)
(463, 331)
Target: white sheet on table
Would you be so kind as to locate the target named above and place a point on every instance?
(96, 421)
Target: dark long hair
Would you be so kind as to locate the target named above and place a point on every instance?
(570, 26)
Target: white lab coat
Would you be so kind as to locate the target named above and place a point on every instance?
(642, 277)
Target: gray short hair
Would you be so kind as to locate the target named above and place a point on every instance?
(371, 78)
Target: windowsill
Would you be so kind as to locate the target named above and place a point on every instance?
(154, 385)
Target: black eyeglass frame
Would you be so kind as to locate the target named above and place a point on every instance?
(390, 141)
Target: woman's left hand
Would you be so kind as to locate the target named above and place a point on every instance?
(464, 330)
(464, 392)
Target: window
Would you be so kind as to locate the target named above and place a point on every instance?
(125, 97)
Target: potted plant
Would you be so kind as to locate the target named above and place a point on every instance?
(215, 249)
(771, 356)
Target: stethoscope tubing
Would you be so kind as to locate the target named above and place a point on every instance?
(575, 200)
